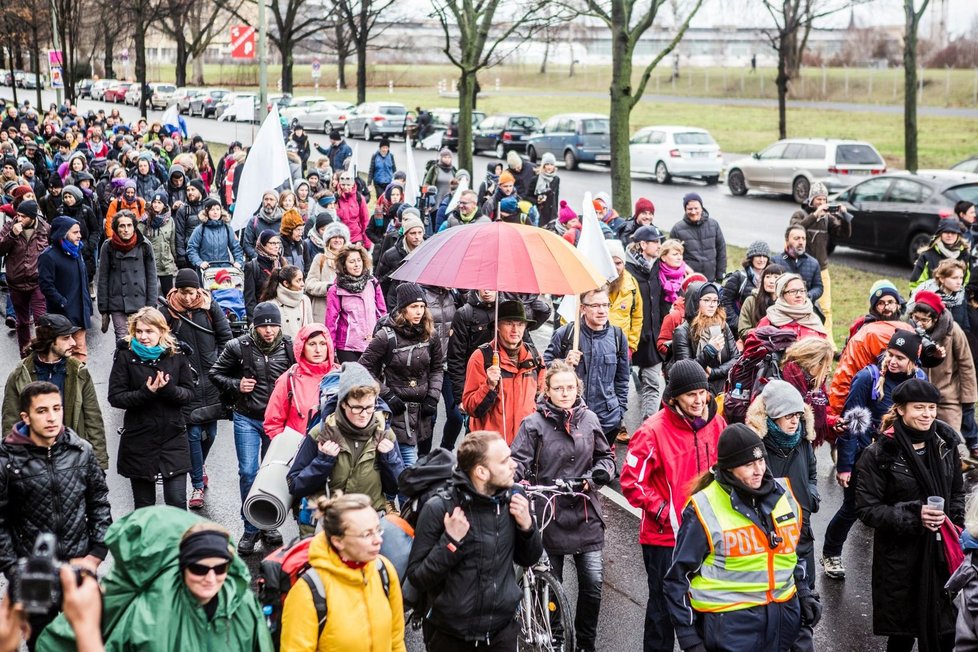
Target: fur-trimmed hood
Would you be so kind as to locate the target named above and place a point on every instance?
(756, 419)
(225, 216)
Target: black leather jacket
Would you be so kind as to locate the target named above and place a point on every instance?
(232, 365)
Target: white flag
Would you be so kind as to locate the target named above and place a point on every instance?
(171, 118)
(266, 168)
(354, 159)
(463, 185)
(412, 184)
(591, 246)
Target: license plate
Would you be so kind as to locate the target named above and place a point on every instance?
(699, 154)
(859, 172)
(603, 157)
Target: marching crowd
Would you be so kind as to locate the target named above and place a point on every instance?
(296, 324)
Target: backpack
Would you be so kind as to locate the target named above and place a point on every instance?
(724, 292)
(278, 573)
(759, 363)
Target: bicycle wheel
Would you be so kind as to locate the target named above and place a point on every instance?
(549, 625)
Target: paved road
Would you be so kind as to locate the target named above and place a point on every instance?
(744, 219)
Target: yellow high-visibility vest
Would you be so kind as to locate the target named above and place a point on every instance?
(742, 570)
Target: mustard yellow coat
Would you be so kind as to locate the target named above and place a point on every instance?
(626, 310)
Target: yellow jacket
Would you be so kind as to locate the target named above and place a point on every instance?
(360, 618)
(626, 310)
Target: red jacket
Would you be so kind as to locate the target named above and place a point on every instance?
(352, 211)
(519, 385)
(664, 458)
(296, 393)
(798, 329)
(862, 349)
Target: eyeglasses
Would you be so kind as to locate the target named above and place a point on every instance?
(597, 306)
(794, 416)
(887, 304)
(201, 570)
(361, 409)
(368, 535)
(794, 293)
(564, 389)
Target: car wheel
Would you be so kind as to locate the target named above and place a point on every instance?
(327, 127)
(570, 161)
(712, 180)
(500, 151)
(799, 190)
(531, 153)
(736, 183)
(346, 131)
(366, 133)
(662, 173)
(917, 242)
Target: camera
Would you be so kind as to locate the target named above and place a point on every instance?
(835, 208)
(928, 347)
(37, 584)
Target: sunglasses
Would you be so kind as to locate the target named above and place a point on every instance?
(201, 570)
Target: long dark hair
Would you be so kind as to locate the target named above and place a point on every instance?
(764, 299)
(427, 322)
(278, 277)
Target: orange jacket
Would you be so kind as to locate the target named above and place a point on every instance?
(862, 349)
(519, 385)
(120, 204)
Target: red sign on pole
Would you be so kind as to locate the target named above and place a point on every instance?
(242, 42)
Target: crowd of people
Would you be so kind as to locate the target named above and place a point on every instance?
(296, 324)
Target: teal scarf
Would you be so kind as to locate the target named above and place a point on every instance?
(147, 353)
(781, 438)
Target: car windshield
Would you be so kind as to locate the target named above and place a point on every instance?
(218, 93)
(971, 165)
(392, 110)
(596, 127)
(857, 155)
(693, 138)
(165, 88)
(966, 192)
(526, 123)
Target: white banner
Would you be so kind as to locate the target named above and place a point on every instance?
(266, 168)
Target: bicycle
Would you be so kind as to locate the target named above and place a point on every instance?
(545, 616)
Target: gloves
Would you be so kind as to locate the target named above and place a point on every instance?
(395, 404)
(429, 406)
(811, 610)
(600, 477)
(106, 320)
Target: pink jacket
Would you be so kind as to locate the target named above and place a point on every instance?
(351, 318)
(296, 393)
(352, 211)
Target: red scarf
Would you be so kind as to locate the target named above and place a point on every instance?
(124, 246)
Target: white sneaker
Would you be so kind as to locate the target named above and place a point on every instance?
(833, 568)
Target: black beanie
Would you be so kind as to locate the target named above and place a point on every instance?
(55, 181)
(186, 278)
(199, 185)
(686, 376)
(738, 445)
(907, 343)
(916, 390)
(210, 201)
(266, 314)
(408, 293)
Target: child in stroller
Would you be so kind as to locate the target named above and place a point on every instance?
(226, 285)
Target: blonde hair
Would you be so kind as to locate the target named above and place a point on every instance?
(814, 355)
(332, 510)
(911, 370)
(153, 317)
(670, 245)
(207, 526)
(559, 367)
(947, 267)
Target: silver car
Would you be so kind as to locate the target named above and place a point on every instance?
(324, 116)
(376, 118)
(298, 105)
(792, 165)
(161, 95)
(184, 95)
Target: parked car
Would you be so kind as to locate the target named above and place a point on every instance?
(790, 166)
(30, 80)
(83, 88)
(668, 151)
(447, 120)
(161, 96)
(323, 116)
(183, 96)
(6, 78)
(374, 119)
(896, 214)
(297, 105)
(504, 132)
(575, 138)
(206, 103)
(133, 96)
(99, 88)
(117, 92)
(967, 165)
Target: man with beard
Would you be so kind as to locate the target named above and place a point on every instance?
(268, 216)
(796, 261)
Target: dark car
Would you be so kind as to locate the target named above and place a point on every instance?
(504, 132)
(447, 119)
(205, 103)
(574, 138)
(896, 214)
(84, 88)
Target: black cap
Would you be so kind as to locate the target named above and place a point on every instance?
(29, 208)
(186, 278)
(686, 376)
(648, 233)
(335, 135)
(916, 390)
(906, 342)
(59, 325)
(512, 311)
(266, 313)
(408, 293)
(738, 445)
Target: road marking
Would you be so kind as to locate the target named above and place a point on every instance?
(619, 500)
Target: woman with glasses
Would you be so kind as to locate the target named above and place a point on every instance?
(793, 310)
(787, 425)
(362, 591)
(705, 335)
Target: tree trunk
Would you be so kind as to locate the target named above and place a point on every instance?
(781, 81)
(910, 88)
(182, 56)
(362, 69)
(466, 104)
(139, 44)
(108, 40)
(13, 86)
(620, 114)
(36, 61)
(342, 54)
(198, 74)
(285, 49)
(546, 55)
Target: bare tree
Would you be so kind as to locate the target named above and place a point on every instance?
(361, 18)
(69, 14)
(142, 15)
(337, 39)
(477, 35)
(193, 26)
(912, 17)
(628, 21)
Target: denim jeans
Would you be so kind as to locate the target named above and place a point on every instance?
(648, 382)
(410, 456)
(842, 522)
(250, 445)
(199, 448)
(659, 633)
(454, 420)
(590, 569)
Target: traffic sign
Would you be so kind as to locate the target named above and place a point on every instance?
(317, 68)
(242, 42)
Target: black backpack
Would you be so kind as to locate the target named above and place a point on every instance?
(418, 483)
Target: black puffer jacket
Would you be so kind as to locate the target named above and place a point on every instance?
(241, 358)
(573, 445)
(472, 591)
(441, 305)
(185, 220)
(60, 490)
(390, 260)
(472, 326)
(154, 437)
(684, 348)
(127, 280)
(888, 499)
(705, 247)
(654, 309)
(411, 368)
(202, 335)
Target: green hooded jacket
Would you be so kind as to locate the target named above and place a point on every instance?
(147, 607)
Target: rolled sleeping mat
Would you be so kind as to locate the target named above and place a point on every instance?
(269, 502)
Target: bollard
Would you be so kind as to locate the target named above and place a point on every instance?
(824, 82)
(497, 84)
(337, 85)
(390, 86)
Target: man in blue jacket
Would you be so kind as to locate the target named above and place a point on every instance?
(382, 167)
(337, 152)
(601, 361)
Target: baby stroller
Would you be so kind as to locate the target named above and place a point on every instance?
(226, 285)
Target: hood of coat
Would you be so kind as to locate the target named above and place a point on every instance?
(943, 327)
(225, 216)
(756, 418)
(694, 293)
(176, 168)
(564, 420)
(299, 345)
